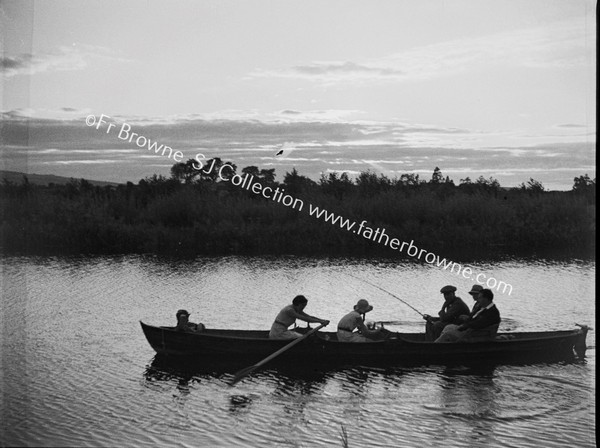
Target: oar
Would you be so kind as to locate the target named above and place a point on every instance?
(393, 295)
(248, 370)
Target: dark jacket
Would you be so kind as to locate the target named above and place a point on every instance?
(475, 309)
(486, 318)
(450, 311)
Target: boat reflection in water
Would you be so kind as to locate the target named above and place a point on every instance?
(289, 381)
(183, 370)
(484, 404)
(399, 381)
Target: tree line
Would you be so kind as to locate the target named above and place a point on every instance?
(194, 212)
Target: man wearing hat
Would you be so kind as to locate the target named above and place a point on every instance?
(183, 323)
(450, 313)
(480, 326)
(474, 292)
(353, 320)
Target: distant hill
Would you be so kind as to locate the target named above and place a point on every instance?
(45, 179)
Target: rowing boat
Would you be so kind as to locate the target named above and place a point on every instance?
(220, 345)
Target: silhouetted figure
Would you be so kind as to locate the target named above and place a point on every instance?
(481, 326)
(354, 320)
(450, 313)
(288, 315)
(183, 323)
(474, 292)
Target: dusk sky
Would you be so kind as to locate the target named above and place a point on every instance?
(502, 89)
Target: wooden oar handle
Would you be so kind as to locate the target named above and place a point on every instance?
(288, 346)
(244, 372)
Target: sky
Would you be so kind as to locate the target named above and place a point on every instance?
(503, 88)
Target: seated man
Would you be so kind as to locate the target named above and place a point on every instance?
(288, 315)
(449, 314)
(474, 292)
(353, 320)
(183, 323)
(480, 326)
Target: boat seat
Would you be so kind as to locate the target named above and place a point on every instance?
(492, 330)
(505, 337)
(483, 334)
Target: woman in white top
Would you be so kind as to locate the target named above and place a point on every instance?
(288, 315)
(353, 320)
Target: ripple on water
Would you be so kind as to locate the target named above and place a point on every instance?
(80, 374)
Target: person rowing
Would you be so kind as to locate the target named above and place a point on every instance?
(288, 315)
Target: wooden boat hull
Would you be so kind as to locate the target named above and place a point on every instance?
(403, 349)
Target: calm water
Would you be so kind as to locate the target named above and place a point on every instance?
(77, 371)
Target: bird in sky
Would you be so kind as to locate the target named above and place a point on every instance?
(285, 150)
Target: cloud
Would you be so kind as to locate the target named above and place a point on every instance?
(254, 115)
(62, 59)
(559, 45)
(390, 148)
(9, 63)
(82, 162)
(306, 130)
(572, 125)
(28, 64)
(82, 151)
(335, 71)
(345, 68)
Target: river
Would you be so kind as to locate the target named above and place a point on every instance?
(77, 370)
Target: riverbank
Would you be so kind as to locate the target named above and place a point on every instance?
(165, 216)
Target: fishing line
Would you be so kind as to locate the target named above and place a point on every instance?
(380, 288)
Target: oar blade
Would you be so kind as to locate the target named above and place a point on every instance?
(241, 374)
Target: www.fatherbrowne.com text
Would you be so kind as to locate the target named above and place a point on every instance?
(379, 235)
(247, 182)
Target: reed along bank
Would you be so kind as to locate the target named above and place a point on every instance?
(186, 216)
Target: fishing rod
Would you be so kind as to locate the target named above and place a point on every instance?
(393, 295)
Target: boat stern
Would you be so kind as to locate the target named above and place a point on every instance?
(580, 346)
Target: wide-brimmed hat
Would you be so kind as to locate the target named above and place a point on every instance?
(448, 288)
(475, 289)
(362, 306)
(180, 312)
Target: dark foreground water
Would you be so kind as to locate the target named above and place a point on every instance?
(77, 371)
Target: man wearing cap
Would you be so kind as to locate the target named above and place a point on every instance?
(183, 323)
(450, 313)
(288, 315)
(481, 325)
(353, 320)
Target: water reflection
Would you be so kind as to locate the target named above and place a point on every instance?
(469, 396)
(240, 404)
(354, 382)
(165, 369)
(297, 383)
(183, 386)
(295, 395)
(85, 310)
